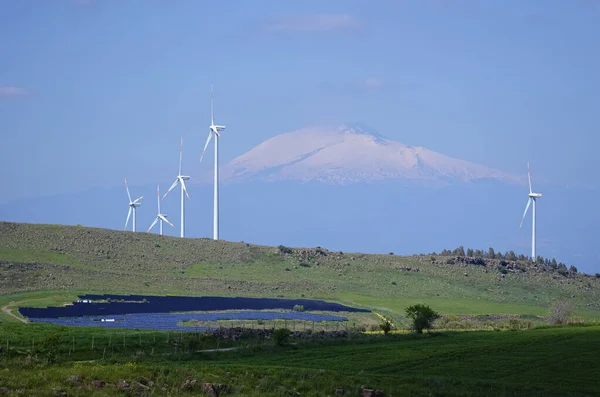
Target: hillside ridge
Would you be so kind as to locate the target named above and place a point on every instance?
(55, 257)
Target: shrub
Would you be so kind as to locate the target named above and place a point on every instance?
(298, 308)
(303, 264)
(422, 317)
(50, 347)
(385, 325)
(281, 336)
(284, 250)
(559, 312)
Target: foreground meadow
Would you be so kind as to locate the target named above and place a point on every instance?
(547, 361)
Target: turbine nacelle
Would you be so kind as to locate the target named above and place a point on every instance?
(535, 195)
(216, 128)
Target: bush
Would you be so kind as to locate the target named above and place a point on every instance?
(281, 336)
(560, 312)
(298, 308)
(385, 325)
(284, 250)
(422, 317)
(50, 347)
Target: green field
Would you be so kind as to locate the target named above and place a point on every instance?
(50, 264)
(551, 361)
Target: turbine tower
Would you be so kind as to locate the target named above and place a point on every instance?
(181, 180)
(214, 129)
(132, 206)
(532, 199)
(159, 217)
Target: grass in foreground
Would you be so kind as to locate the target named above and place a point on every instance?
(549, 361)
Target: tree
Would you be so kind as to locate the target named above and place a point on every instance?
(491, 253)
(470, 252)
(422, 317)
(460, 251)
(572, 269)
(511, 256)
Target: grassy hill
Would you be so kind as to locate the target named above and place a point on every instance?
(42, 264)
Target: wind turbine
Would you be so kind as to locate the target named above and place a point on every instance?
(214, 129)
(180, 179)
(159, 217)
(132, 206)
(532, 199)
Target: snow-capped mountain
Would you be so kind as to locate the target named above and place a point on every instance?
(350, 153)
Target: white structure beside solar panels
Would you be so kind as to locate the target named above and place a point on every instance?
(180, 179)
(132, 206)
(214, 129)
(531, 199)
(159, 216)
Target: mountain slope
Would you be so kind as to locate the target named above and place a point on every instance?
(350, 153)
(73, 258)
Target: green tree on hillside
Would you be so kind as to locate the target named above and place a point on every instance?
(422, 317)
(460, 251)
(470, 252)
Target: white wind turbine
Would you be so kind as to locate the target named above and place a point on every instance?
(132, 206)
(180, 180)
(159, 217)
(532, 199)
(214, 129)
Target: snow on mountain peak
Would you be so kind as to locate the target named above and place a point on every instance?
(348, 153)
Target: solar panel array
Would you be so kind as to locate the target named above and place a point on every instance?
(169, 321)
(166, 304)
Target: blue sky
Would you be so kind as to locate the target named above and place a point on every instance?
(94, 90)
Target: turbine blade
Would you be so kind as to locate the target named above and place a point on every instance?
(206, 145)
(153, 223)
(138, 199)
(180, 153)
(127, 187)
(172, 187)
(525, 213)
(165, 219)
(529, 177)
(185, 189)
(128, 215)
(158, 196)
(212, 107)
